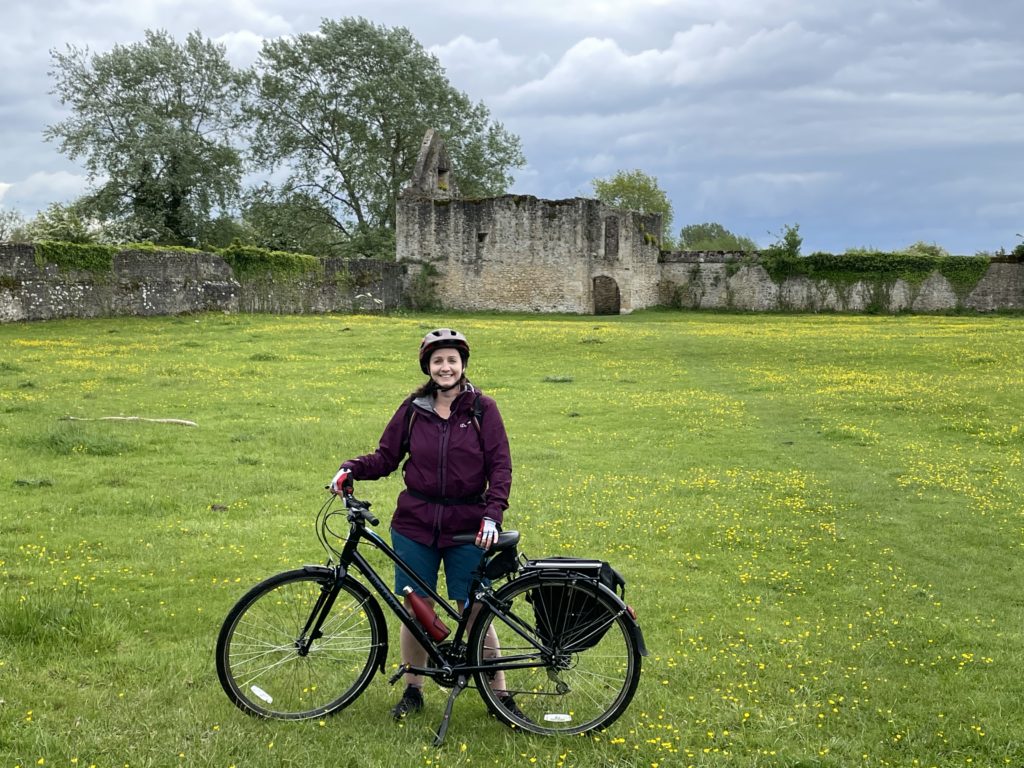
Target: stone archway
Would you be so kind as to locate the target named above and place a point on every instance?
(607, 300)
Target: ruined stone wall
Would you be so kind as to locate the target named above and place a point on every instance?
(343, 286)
(730, 281)
(521, 253)
(143, 282)
(140, 283)
(506, 254)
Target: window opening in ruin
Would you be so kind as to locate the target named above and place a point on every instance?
(442, 179)
(481, 237)
(611, 238)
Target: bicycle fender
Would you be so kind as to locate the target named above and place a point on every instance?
(369, 601)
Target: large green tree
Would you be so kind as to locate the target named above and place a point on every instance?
(153, 123)
(637, 191)
(344, 111)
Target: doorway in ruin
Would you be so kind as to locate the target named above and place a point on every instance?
(606, 296)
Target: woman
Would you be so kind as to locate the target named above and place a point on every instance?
(457, 480)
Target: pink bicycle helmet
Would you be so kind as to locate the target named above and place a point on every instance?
(443, 337)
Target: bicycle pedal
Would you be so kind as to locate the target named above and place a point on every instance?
(402, 669)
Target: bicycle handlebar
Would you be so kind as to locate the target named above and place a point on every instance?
(361, 508)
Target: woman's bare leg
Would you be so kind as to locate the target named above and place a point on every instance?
(412, 652)
(492, 648)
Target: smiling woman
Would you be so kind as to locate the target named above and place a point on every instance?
(458, 475)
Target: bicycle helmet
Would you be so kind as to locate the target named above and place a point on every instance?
(443, 337)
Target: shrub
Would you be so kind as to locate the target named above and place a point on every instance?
(249, 261)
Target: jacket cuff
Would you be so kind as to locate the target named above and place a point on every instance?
(495, 513)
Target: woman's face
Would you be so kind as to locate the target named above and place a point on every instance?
(445, 366)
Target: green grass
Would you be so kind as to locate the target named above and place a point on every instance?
(819, 518)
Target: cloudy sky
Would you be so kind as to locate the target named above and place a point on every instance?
(870, 123)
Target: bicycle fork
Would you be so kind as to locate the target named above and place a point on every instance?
(312, 631)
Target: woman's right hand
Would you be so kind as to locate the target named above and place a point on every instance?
(487, 536)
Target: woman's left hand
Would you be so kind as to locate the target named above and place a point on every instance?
(487, 536)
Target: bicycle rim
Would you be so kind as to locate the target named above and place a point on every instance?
(579, 681)
(258, 658)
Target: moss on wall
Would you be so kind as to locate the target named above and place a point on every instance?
(879, 269)
(252, 263)
(88, 257)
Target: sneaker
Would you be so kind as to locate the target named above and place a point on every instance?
(411, 701)
(509, 703)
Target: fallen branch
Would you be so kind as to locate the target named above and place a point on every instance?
(182, 422)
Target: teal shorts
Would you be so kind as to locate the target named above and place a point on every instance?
(459, 563)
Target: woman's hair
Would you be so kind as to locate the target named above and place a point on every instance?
(429, 387)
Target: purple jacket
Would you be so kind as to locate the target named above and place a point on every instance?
(455, 474)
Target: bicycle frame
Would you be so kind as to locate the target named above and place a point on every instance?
(349, 556)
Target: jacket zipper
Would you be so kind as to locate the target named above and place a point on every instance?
(443, 480)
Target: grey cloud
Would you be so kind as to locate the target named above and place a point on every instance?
(875, 122)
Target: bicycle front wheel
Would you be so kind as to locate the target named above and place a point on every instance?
(269, 666)
(566, 651)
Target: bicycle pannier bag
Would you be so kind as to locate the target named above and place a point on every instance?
(569, 618)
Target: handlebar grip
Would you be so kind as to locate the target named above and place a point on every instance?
(360, 507)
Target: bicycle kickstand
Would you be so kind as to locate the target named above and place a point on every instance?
(460, 685)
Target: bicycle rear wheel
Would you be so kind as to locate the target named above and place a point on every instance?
(263, 661)
(567, 651)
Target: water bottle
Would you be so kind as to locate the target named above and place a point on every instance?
(427, 616)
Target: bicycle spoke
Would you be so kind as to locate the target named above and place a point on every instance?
(587, 665)
(269, 668)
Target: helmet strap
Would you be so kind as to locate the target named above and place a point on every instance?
(450, 387)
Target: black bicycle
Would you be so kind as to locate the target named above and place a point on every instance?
(305, 643)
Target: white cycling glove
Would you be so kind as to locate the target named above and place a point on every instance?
(342, 482)
(487, 536)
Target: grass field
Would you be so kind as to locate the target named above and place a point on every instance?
(819, 518)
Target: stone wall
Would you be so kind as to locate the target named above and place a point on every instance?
(507, 254)
(344, 286)
(730, 281)
(144, 282)
(521, 253)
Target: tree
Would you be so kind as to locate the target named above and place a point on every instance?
(787, 244)
(921, 248)
(345, 111)
(12, 226)
(712, 236)
(153, 124)
(297, 222)
(60, 222)
(637, 191)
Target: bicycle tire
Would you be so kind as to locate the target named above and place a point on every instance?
(571, 686)
(260, 667)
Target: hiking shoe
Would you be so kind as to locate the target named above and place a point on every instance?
(411, 701)
(509, 703)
